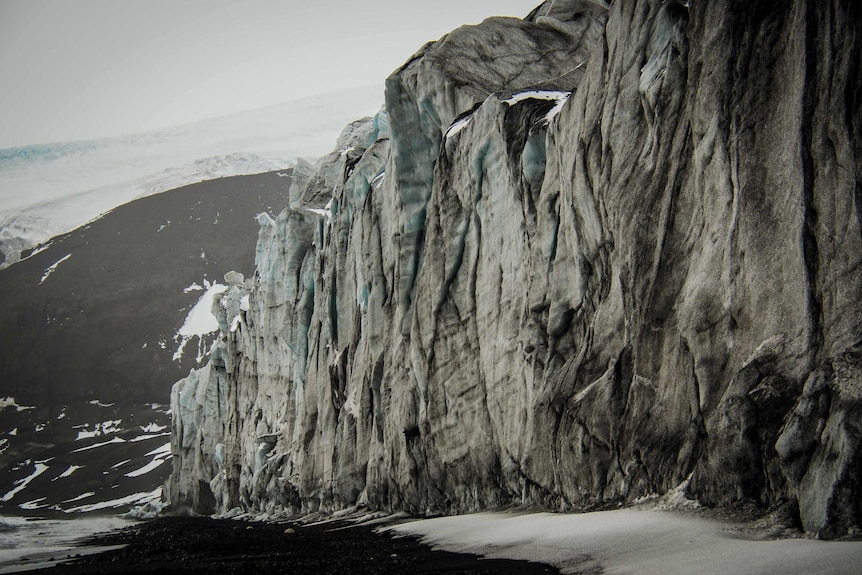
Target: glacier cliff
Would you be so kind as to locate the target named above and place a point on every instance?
(596, 254)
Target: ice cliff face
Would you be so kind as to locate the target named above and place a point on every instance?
(581, 258)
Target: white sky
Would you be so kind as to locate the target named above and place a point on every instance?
(83, 69)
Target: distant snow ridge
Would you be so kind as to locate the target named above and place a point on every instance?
(27, 175)
(50, 189)
(23, 230)
(221, 166)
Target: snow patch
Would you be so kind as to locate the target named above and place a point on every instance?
(350, 405)
(200, 321)
(52, 268)
(80, 497)
(458, 125)
(38, 250)
(21, 484)
(103, 428)
(97, 445)
(555, 110)
(98, 403)
(33, 505)
(10, 402)
(560, 96)
(72, 469)
(160, 455)
(537, 95)
(140, 438)
(378, 179)
(163, 451)
(134, 499)
(320, 212)
(155, 463)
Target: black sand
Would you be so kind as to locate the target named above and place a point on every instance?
(204, 545)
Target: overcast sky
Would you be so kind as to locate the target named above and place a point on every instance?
(81, 69)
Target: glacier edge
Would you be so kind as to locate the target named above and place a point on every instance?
(656, 282)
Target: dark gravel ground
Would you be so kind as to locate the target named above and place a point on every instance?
(205, 545)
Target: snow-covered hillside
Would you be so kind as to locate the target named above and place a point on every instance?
(46, 190)
(81, 457)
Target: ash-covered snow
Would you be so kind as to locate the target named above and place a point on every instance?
(632, 541)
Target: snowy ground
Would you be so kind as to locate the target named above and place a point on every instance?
(633, 541)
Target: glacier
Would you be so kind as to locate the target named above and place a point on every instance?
(649, 285)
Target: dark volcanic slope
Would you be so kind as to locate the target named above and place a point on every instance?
(89, 349)
(101, 326)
